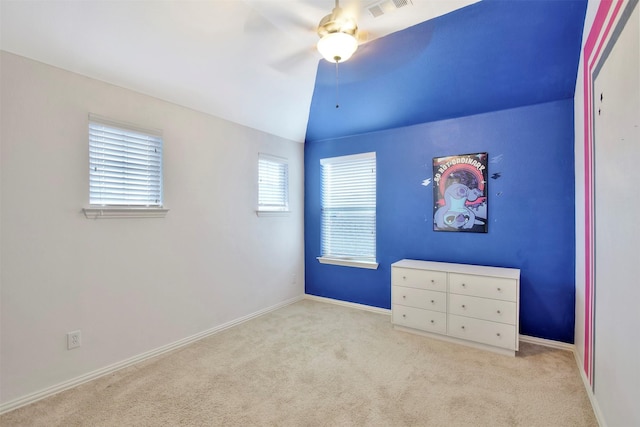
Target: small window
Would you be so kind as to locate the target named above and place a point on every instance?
(273, 184)
(125, 165)
(348, 224)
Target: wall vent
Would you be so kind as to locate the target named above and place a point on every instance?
(387, 6)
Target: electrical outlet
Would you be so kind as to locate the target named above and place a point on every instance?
(74, 339)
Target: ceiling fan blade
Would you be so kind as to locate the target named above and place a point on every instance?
(257, 24)
(283, 16)
(294, 60)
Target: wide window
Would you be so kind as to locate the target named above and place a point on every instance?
(125, 165)
(273, 184)
(348, 230)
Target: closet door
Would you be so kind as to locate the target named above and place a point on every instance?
(616, 100)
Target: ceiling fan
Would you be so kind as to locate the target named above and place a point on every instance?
(290, 24)
(338, 33)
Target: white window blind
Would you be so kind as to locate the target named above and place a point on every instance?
(273, 183)
(125, 165)
(349, 207)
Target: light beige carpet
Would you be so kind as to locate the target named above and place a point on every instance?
(318, 364)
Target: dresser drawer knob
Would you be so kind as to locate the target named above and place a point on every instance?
(499, 289)
(499, 312)
(404, 277)
(433, 281)
(498, 334)
(463, 285)
(404, 315)
(433, 321)
(462, 326)
(464, 306)
(433, 302)
(404, 296)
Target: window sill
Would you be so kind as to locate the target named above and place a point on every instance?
(272, 213)
(348, 262)
(124, 212)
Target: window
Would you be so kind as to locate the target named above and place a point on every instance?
(348, 230)
(125, 169)
(273, 184)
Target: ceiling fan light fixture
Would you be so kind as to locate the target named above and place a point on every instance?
(337, 33)
(337, 46)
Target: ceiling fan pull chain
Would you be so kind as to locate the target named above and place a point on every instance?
(337, 104)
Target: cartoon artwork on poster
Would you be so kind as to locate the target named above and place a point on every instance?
(460, 193)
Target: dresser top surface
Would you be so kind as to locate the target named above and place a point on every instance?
(509, 273)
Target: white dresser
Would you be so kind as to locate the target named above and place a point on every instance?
(468, 304)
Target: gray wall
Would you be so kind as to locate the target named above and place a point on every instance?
(130, 285)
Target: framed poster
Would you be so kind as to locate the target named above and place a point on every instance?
(460, 193)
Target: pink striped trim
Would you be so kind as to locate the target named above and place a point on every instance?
(590, 58)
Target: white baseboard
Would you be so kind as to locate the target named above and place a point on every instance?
(49, 391)
(523, 338)
(548, 343)
(592, 397)
(349, 304)
(587, 386)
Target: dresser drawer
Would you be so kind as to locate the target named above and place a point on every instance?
(483, 308)
(423, 279)
(418, 318)
(420, 298)
(483, 286)
(483, 331)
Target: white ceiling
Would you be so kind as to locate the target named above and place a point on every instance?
(252, 62)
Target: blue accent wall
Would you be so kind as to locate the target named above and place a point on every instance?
(531, 209)
(489, 56)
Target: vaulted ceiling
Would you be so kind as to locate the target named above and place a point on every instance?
(249, 61)
(489, 56)
(253, 62)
